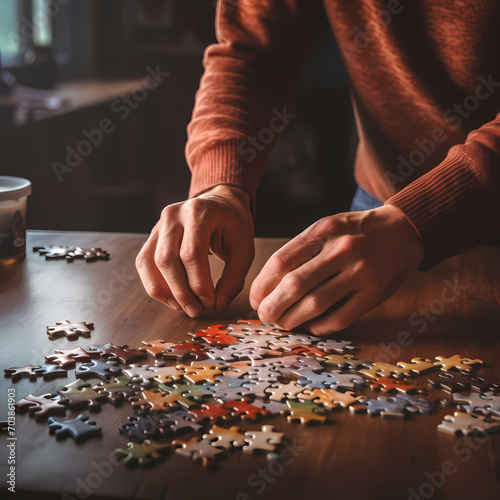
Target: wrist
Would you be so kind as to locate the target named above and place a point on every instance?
(406, 233)
(232, 193)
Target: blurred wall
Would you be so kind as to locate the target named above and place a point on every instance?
(139, 167)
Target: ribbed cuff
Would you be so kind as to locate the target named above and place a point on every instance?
(222, 163)
(447, 207)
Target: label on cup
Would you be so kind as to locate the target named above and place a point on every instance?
(12, 234)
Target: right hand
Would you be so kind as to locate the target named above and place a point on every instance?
(173, 263)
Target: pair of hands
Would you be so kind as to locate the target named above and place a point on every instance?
(324, 279)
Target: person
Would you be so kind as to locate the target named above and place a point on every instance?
(424, 79)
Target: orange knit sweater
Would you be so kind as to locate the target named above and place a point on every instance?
(425, 85)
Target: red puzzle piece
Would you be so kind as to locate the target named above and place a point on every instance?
(244, 409)
(216, 335)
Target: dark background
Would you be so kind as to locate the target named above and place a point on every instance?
(136, 170)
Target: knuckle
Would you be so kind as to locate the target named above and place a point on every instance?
(280, 261)
(164, 259)
(294, 283)
(326, 225)
(315, 303)
(190, 253)
(349, 244)
(168, 212)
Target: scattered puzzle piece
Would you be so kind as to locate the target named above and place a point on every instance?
(331, 345)
(225, 438)
(263, 440)
(456, 362)
(123, 354)
(146, 453)
(485, 402)
(67, 358)
(146, 426)
(391, 385)
(53, 251)
(80, 394)
(279, 392)
(98, 368)
(465, 424)
(418, 366)
(242, 408)
(116, 390)
(79, 428)
(185, 350)
(42, 406)
(71, 330)
(385, 406)
(51, 371)
(17, 373)
(306, 412)
(157, 347)
(198, 450)
(450, 381)
(215, 335)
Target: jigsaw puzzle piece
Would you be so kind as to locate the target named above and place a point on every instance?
(156, 347)
(264, 440)
(42, 406)
(79, 428)
(215, 335)
(67, 358)
(123, 353)
(418, 366)
(332, 345)
(279, 392)
(71, 330)
(142, 374)
(244, 409)
(19, 372)
(80, 394)
(456, 362)
(466, 424)
(225, 438)
(392, 385)
(146, 453)
(116, 390)
(387, 407)
(50, 371)
(306, 412)
(198, 450)
(185, 350)
(146, 426)
(98, 368)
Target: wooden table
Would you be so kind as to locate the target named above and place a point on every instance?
(357, 457)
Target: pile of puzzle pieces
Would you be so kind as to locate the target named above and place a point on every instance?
(239, 373)
(52, 252)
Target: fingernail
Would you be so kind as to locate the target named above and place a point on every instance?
(173, 305)
(254, 304)
(207, 302)
(192, 310)
(222, 304)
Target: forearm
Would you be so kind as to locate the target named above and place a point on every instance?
(247, 91)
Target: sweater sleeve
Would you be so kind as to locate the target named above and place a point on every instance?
(247, 91)
(455, 207)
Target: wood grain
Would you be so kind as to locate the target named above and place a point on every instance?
(357, 457)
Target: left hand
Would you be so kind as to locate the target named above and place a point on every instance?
(359, 256)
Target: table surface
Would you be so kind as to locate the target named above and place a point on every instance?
(454, 309)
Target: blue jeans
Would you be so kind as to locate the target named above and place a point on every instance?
(364, 201)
